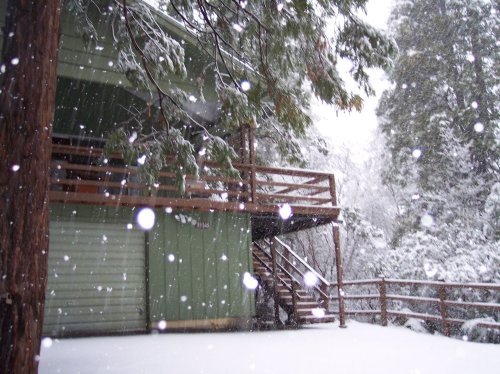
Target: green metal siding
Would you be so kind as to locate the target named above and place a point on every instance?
(96, 272)
(196, 262)
(196, 273)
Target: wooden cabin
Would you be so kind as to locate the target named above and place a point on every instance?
(196, 267)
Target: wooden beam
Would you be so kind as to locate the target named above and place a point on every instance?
(338, 263)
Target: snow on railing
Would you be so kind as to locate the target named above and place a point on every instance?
(78, 175)
(444, 305)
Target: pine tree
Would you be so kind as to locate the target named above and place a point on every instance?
(27, 103)
(441, 117)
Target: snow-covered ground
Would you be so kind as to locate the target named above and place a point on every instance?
(361, 348)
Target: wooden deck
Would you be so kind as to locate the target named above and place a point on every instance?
(79, 176)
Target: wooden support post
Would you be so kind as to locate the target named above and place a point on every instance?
(243, 144)
(253, 184)
(383, 302)
(338, 262)
(244, 158)
(444, 310)
(275, 283)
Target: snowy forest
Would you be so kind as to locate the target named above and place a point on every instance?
(424, 205)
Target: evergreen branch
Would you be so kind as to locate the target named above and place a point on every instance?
(161, 93)
(214, 30)
(250, 14)
(216, 42)
(188, 22)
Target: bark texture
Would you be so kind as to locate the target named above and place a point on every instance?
(27, 102)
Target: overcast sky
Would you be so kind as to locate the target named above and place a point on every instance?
(355, 130)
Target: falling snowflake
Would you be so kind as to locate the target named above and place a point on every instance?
(162, 325)
(237, 27)
(246, 85)
(430, 270)
(141, 160)
(285, 211)
(426, 220)
(310, 279)
(133, 137)
(146, 218)
(318, 312)
(47, 342)
(249, 281)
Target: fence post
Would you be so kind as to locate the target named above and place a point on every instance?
(444, 310)
(275, 283)
(383, 301)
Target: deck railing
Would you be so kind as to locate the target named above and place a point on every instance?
(388, 291)
(79, 175)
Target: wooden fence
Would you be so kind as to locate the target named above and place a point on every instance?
(386, 293)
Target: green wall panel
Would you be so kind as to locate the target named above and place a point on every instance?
(197, 261)
(96, 272)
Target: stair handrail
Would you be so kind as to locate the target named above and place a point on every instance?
(323, 289)
(309, 267)
(279, 265)
(292, 278)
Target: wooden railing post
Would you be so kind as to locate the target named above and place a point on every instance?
(333, 190)
(275, 282)
(383, 301)
(444, 310)
(294, 302)
(338, 262)
(286, 254)
(325, 298)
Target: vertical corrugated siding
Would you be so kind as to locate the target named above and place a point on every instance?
(196, 273)
(96, 277)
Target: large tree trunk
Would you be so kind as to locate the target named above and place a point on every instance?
(27, 102)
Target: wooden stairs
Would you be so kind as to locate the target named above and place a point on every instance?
(294, 285)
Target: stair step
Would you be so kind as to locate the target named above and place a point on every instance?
(308, 304)
(303, 298)
(313, 319)
(307, 311)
